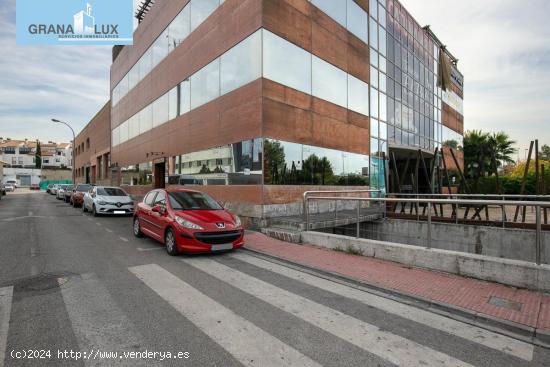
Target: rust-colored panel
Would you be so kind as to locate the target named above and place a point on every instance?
(282, 121)
(288, 22)
(327, 45)
(98, 133)
(331, 110)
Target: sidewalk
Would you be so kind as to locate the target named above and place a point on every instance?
(490, 300)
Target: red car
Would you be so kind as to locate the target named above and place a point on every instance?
(187, 221)
(77, 197)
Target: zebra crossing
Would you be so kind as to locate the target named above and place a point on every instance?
(100, 323)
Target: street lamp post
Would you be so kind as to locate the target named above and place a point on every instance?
(73, 147)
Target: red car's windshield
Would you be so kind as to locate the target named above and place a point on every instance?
(192, 201)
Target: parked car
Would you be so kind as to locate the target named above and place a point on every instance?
(78, 194)
(49, 188)
(9, 187)
(108, 200)
(35, 187)
(60, 193)
(187, 221)
(12, 183)
(54, 188)
(68, 192)
(2, 190)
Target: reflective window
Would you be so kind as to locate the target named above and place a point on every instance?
(185, 97)
(145, 119)
(123, 131)
(329, 82)
(179, 29)
(200, 10)
(145, 64)
(173, 103)
(296, 164)
(139, 174)
(373, 127)
(115, 137)
(133, 129)
(373, 35)
(133, 77)
(334, 9)
(286, 63)
(373, 8)
(358, 20)
(373, 102)
(205, 84)
(242, 64)
(358, 95)
(160, 111)
(160, 48)
(383, 107)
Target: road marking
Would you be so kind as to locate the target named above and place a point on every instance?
(30, 214)
(97, 223)
(391, 347)
(123, 239)
(33, 252)
(466, 331)
(6, 296)
(150, 249)
(97, 321)
(34, 270)
(248, 343)
(109, 230)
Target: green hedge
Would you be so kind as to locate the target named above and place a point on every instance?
(509, 185)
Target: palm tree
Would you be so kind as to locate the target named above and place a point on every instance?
(476, 156)
(502, 147)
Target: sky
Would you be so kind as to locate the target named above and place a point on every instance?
(503, 47)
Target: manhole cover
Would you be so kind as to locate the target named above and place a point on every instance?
(505, 303)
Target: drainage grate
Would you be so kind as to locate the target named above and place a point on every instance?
(505, 303)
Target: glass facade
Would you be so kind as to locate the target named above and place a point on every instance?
(139, 174)
(278, 59)
(189, 18)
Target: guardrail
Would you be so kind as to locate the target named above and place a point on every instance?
(537, 205)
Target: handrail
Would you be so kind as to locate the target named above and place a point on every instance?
(501, 203)
(504, 196)
(307, 193)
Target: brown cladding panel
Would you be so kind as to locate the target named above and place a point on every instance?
(98, 132)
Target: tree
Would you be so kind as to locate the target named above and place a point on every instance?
(502, 147)
(482, 149)
(274, 162)
(38, 156)
(545, 152)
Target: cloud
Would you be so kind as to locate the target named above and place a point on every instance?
(503, 49)
(38, 83)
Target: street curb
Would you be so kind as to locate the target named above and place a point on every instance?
(511, 329)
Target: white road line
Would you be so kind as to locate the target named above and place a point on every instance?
(150, 249)
(97, 321)
(471, 333)
(248, 343)
(30, 214)
(109, 230)
(123, 239)
(6, 296)
(391, 347)
(97, 223)
(34, 270)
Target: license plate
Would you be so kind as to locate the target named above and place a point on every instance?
(225, 246)
(119, 212)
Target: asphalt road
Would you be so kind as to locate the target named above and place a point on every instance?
(79, 290)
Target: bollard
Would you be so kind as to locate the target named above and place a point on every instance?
(306, 212)
(538, 236)
(358, 216)
(429, 226)
(503, 216)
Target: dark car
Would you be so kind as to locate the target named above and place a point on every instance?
(77, 198)
(68, 193)
(187, 221)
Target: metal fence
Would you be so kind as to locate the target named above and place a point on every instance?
(431, 204)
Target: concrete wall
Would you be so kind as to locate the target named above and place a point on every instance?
(515, 244)
(57, 174)
(510, 272)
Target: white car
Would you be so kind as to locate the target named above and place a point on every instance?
(60, 192)
(9, 187)
(108, 200)
(54, 189)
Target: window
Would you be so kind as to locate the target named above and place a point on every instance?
(123, 132)
(334, 9)
(358, 95)
(373, 34)
(159, 49)
(160, 199)
(160, 110)
(205, 84)
(242, 64)
(358, 20)
(173, 103)
(329, 82)
(179, 28)
(133, 128)
(145, 119)
(200, 10)
(148, 200)
(145, 64)
(286, 63)
(185, 97)
(374, 103)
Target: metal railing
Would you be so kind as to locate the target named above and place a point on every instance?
(538, 205)
(307, 196)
